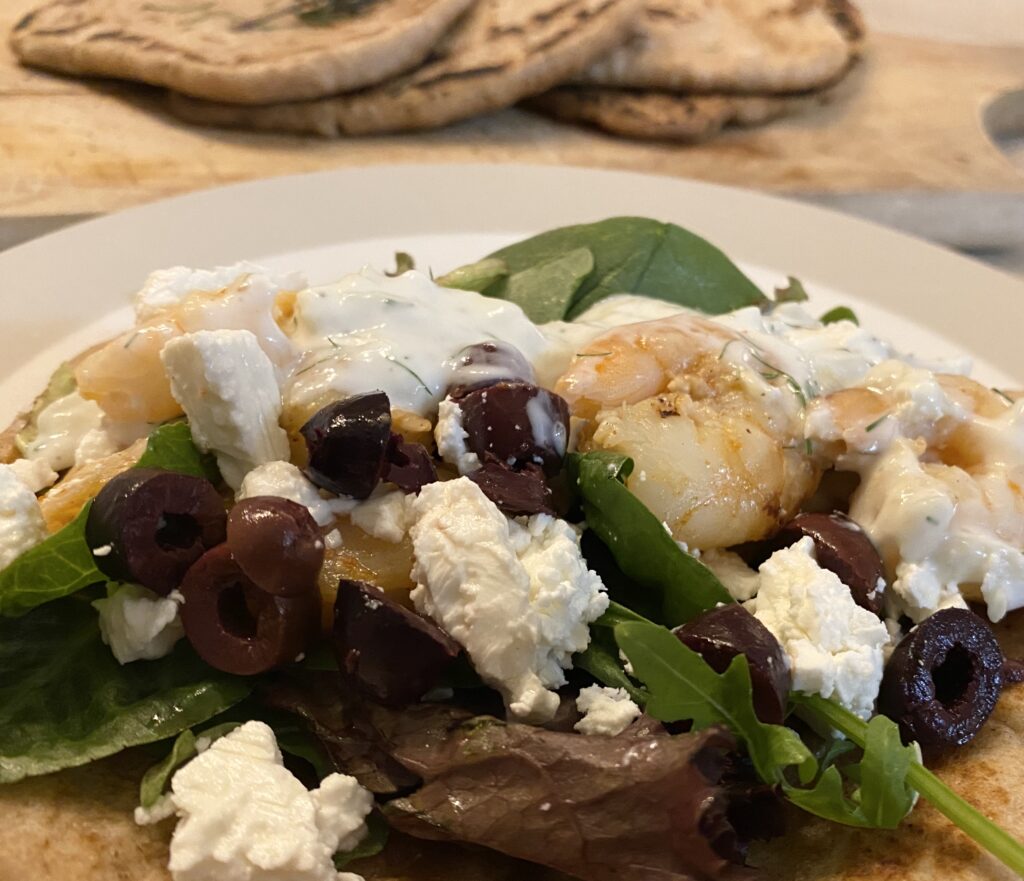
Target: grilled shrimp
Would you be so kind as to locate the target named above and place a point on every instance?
(126, 377)
(719, 453)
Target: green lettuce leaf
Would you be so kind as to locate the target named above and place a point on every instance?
(66, 701)
(63, 564)
(680, 586)
(633, 255)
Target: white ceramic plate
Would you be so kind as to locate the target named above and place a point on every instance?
(65, 291)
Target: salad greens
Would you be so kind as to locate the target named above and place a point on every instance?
(793, 292)
(63, 564)
(680, 585)
(65, 700)
(630, 254)
(374, 842)
(156, 780)
(839, 313)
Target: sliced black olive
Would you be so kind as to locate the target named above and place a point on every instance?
(518, 423)
(484, 364)
(408, 466)
(842, 547)
(235, 626)
(276, 543)
(719, 635)
(156, 524)
(1013, 671)
(943, 679)
(515, 492)
(346, 441)
(386, 651)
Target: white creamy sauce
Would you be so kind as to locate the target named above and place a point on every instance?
(402, 335)
(61, 427)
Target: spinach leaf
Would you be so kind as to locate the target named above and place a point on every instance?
(545, 290)
(170, 447)
(374, 842)
(63, 564)
(840, 313)
(644, 551)
(65, 700)
(477, 276)
(683, 686)
(640, 256)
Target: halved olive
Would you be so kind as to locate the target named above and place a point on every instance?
(518, 423)
(842, 547)
(386, 651)
(276, 543)
(235, 626)
(943, 679)
(346, 441)
(484, 364)
(719, 635)
(522, 492)
(156, 524)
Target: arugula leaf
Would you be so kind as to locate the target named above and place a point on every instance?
(170, 447)
(644, 551)
(63, 564)
(545, 290)
(640, 256)
(477, 276)
(65, 700)
(601, 660)
(374, 842)
(681, 685)
(840, 313)
(793, 292)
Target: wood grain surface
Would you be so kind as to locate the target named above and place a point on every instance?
(908, 118)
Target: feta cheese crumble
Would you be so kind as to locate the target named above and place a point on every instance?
(21, 519)
(36, 474)
(286, 481)
(243, 816)
(451, 438)
(834, 646)
(606, 711)
(516, 594)
(137, 624)
(228, 389)
(385, 515)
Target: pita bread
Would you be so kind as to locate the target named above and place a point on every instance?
(503, 51)
(77, 825)
(245, 51)
(664, 115)
(734, 46)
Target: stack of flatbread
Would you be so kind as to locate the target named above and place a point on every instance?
(646, 68)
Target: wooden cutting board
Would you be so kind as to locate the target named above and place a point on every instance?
(907, 118)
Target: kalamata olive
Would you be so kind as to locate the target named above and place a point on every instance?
(346, 441)
(408, 466)
(515, 492)
(719, 635)
(484, 364)
(276, 543)
(842, 547)
(156, 524)
(943, 679)
(386, 651)
(518, 423)
(235, 626)
(1013, 671)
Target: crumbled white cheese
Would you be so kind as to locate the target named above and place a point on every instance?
(137, 624)
(517, 595)
(245, 817)
(606, 711)
(228, 389)
(286, 481)
(36, 474)
(451, 438)
(736, 576)
(386, 515)
(61, 426)
(21, 519)
(833, 645)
